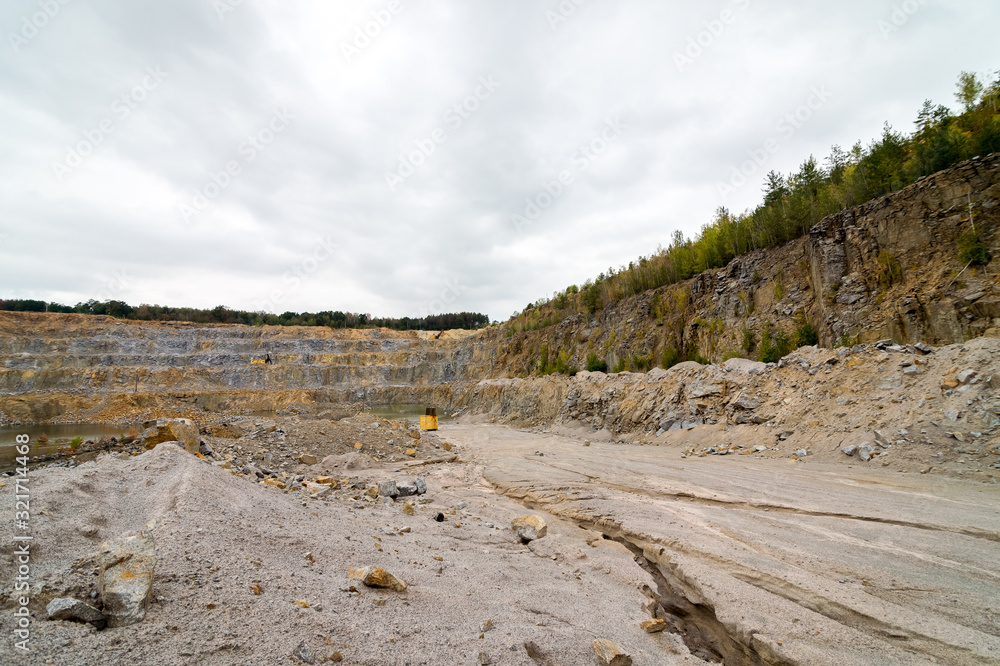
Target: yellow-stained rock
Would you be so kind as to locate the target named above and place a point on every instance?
(411, 452)
(275, 483)
(408, 509)
(653, 626)
(610, 654)
(446, 446)
(529, 528)
(376, 577)
(949, 383)
(324, 480)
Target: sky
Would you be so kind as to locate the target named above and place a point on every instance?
(405, 158)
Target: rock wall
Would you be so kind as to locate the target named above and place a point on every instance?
(831, 278)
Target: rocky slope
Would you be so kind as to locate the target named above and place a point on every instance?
(831, 278)
(936, 409)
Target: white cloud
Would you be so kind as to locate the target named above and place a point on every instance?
(449, 222)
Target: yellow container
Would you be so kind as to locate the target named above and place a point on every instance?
(428, 423)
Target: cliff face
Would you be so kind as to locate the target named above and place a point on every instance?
(887, 269)
(51, 364)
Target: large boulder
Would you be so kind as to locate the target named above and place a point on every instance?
(172, 430)
(126, 578)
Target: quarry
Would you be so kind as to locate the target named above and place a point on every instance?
(836, 506)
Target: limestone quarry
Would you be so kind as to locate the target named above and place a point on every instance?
(839, 506)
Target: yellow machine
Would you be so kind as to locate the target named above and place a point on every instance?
(256, 361)
(429, 421)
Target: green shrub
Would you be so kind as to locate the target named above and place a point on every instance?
(671, 357)
(595, 364)
(889, 270)
(620, 366)
(805, 334)
(749, 340)
(972, 250)
(75, 443)
(773, 346)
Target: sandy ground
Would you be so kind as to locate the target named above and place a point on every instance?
(218, 535)
(754, 561)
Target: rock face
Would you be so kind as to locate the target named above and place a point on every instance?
(610, 654)
(172, 430)
(376, 577)
(65, 608)
(126, 578)
(830, 277)
(529, 528)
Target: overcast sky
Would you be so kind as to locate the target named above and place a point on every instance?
(400, 157)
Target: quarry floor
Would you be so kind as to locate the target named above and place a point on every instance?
(749, 560)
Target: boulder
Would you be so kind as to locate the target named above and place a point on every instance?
(850, 450)
(421, 485)
(308, 459)
(529, 528)
(75, 610)
(172, 430)
(376, 577)
(388, 489)
(406, 489)
(746, 402)
(126, 578)
(610, 654)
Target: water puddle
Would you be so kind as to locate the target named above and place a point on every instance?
(50, 439)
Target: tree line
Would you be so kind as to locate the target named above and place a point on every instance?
(793, 203)
(223, 315)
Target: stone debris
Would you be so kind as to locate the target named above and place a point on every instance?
(376, 577)
(653, 626)
(159, 431)
(308, 459)
(126, 578)
(850, 450)
(65, 608)
(529, 528)
(397, 489)
(484, 659)
(610, 654)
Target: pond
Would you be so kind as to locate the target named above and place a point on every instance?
(58, 436)
(405, 412)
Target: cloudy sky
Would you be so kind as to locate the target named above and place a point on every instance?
(398, 157)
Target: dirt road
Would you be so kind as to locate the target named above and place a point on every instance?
(777, 561)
